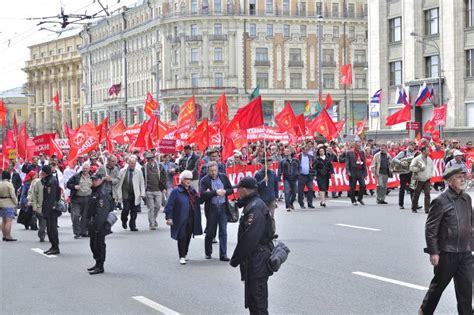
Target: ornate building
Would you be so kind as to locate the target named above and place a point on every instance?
(206, 48)
(54, 66)
(16, 104)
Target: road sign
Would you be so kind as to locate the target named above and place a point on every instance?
(374, 114)
(413, 125)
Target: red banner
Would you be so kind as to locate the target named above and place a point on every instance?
(168, 146)
(42, 143)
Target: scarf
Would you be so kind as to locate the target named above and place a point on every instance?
(192, 196)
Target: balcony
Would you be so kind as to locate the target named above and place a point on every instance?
(360, 64)
(199, 91)
(220, 37)
(295, 63)
(194, 38)
(328, 63)
(262, 63)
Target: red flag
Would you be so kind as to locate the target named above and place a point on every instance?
(324, 125)
(141, 141)
(328, 101)
(215, 134)
(346, 74)
(3, 113)
(84, 141)
(228, 149)
(286, 119)
(439, 115)
(117, 132)
(251, 115)
(54, 149)
(102, 130)
(68, 132)
(9, 140)
(200, 136)
(15, 126)
(429, 127)
(360, 125)
(222, 112)
(435, 136)
(109, 146)
(300, 127)
(56, 101)
(115, 89)
(186, 117)
(339, 125)
(150, 105)
(160, 130)
(22, 141)
(400, 116)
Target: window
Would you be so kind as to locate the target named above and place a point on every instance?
(218, 54)
(335, 10)
(295, 81)
(359, 57)
(302, 8)
(328, 80)
(286, 30)
(217, 29)
(252, 29)
(469, 4)
(360, 81)
(194, 6)
(351, 32)
(470, 114)
(351, 10)
(194, 29)
(295, 54)
(60, 51)
(270, 30)
(261, 54)
(432, 66)
(431, 21)
(218, 79)
(328, 56)
(217, 6)
(396, 73)
(194, 55)
(395, 26)
(470, 63)
(262, 80)
(68, 96)
(176, 57)
(269, 6)
(319, 8)
(194, 80)
(267, 108)
(303, 30)
(286, 7)
(69, 49)
(78, 88)
(335, 32)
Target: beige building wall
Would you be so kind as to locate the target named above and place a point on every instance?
(16, 103)
(54, 66)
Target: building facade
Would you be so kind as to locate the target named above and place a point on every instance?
(54, 66)
(412, 42)
(16, 104)
(206, 48)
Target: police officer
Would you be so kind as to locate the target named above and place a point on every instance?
(99, 208)
(449, 235)
(254, 246)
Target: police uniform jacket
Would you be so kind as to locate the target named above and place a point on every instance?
(98, 211)
(51, 194)
(449, 226)
(255, 234)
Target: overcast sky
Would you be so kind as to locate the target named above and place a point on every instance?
(17, 33)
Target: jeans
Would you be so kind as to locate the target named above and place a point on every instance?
(79, 205)
(215, 217)
(289, 188)
(305, 180)
(404, 182)
(425, 186)
(382, 180)
(153, 202)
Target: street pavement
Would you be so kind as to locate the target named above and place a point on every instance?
(344, 260)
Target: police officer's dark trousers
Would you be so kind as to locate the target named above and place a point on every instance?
(52, 230)
(97, 244)
(257, 295)
(451, 265)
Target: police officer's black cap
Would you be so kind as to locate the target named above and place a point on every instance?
(453, 171)
(248, 182)
(97, 176)
(46, 169)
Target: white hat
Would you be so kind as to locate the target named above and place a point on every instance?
(458, 153)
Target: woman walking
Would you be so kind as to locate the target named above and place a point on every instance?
(183, 214)
(26, 212)
(323, 169)
(8, 204)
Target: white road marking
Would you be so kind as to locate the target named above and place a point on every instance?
(340, 201)
(357, 227)
(40, 251)
(405, 284)
(156, 306)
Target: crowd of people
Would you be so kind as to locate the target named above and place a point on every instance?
(101, 182)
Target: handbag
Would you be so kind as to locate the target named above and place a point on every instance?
(232, 212)
(111, 218)
(278, 256)
(60, 206)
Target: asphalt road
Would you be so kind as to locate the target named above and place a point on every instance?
(344, 260)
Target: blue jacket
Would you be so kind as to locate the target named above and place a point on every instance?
(177, 208)
(268, 192)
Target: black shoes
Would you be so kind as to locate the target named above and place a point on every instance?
(355, 203)
(5, 239)
(92, 268)
(322, 204)
(134, 229)
(214, 241)
(208, 257)
(77, 236)
(124, 225)
(52, 252)
(402, 207)
(361, 202)
(302, 206)
(225, 258)
(96, 271)
(381, 202)
(311, 206)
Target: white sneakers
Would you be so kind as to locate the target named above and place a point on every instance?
(182, 261)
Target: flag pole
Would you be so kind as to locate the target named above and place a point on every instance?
(265, 154)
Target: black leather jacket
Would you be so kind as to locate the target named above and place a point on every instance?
(449, 226)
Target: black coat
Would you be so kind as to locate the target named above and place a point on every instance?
(51, 194)
(16, 182)
(323, 170)
(351, 166)
(72, 182)
(206, 192)
(190, 163)
(254, 244)
(98, 211)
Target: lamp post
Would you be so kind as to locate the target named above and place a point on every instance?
(156, 74)
(432, 43)
(320, 57)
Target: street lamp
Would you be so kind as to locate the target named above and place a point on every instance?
(320, 76)
(432, 43)
(156, 74)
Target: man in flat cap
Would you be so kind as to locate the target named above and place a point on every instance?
(155, 187)
(254, 246)
(449, 236)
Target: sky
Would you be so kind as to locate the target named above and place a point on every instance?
(17, 33)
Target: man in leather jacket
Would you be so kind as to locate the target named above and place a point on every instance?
(254, 246)
(449, 236)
